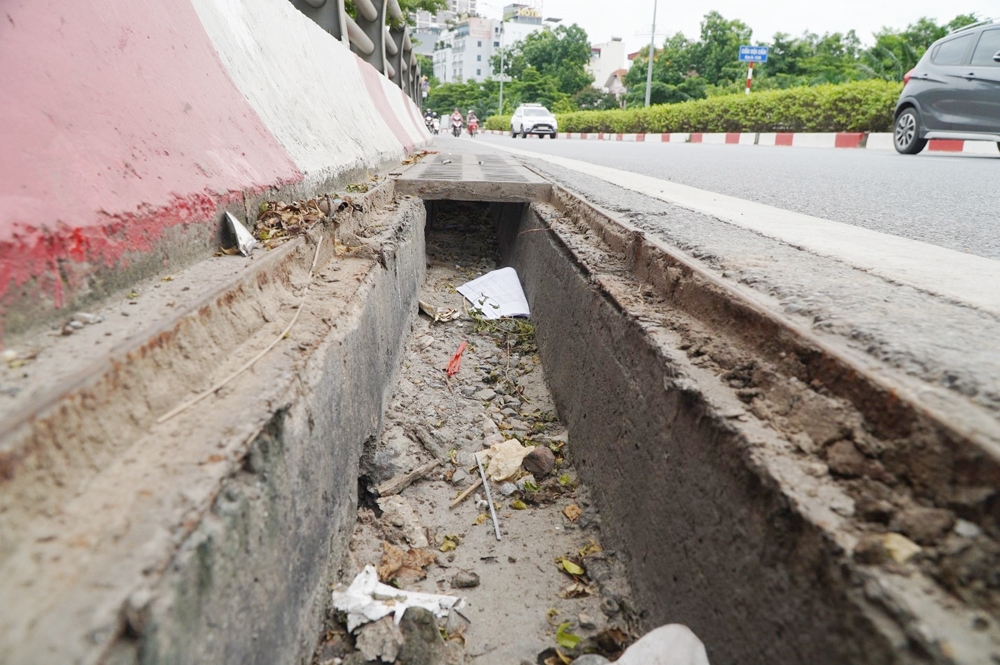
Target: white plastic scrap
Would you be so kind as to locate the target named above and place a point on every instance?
(367, 599)
(244, 240)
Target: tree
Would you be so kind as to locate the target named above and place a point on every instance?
(715, 55)
(592, 99)
(897, 51)
(675, 78)
(563, 53)
(411, 7)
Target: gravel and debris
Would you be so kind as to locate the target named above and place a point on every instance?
(548, 591)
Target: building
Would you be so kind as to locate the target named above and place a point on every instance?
(463, 51)
(605, 60)
(456, 9)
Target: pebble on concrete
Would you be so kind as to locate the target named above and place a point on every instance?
(539, 462)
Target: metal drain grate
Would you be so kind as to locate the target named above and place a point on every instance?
(467, 177)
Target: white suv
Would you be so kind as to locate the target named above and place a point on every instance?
(533, 119)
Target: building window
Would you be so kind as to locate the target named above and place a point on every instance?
(496, 44)
(479, 58)
(479, 72)
(479, 44)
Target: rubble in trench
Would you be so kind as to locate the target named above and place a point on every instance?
(547, 591)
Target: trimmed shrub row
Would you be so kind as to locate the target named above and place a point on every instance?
(861, 106)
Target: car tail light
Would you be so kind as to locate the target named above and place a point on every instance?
(907, 76)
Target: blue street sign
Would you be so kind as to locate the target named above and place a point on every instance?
(753, 54)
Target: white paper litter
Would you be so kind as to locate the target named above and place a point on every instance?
(367, 599)
(497, 294)
(244, 240)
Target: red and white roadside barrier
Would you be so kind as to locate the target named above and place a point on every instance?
(129, 123)
(857, 140)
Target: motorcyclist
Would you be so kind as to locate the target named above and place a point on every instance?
(473, 123)
(456, 121)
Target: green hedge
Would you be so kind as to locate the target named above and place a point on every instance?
(862, 106)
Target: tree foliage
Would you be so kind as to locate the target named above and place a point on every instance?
(685, 69)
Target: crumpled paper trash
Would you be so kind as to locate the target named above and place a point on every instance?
(505, 459)
(367, 599)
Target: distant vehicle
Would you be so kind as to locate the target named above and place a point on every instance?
(533, 119)
(953, 92)
(456, 128)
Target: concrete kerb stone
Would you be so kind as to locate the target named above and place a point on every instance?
(639, 432)
(850, 140)
(223, 494)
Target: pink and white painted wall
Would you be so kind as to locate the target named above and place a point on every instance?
(125, 124)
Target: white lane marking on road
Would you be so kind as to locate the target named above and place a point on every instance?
(966, 278)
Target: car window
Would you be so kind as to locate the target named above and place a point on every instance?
(536, 112)
(952, 52)
(988, 46)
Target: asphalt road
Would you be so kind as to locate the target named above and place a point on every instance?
(951, 201)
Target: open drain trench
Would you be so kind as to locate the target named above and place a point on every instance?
(711, 465)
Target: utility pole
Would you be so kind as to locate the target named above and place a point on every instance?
(652, 50)
(500, 109)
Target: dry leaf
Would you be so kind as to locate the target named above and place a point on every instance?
(405, 567)
(572, 512)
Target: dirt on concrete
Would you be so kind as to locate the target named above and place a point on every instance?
(549, 582)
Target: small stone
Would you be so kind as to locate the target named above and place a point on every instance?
(844, 459)
(967, 529)
(870, 550)
(509, 412)
(464, 579)
(493, 439)
(380, 640)
(586, 621)
(610, 606)
(87, 319)
(459, 477)
(423, 642)
(875, 510)
(924, 525)
(508, 488)
(465, 460)
(525, 480)
(591, 659)
(485, 395)
(75, 325)
(539, 462)
(518, 425)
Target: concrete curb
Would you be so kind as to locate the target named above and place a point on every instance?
(166, 118)
(869, 140)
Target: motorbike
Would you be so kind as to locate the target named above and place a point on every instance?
(437, 126)
(473, 128)
(456, 128)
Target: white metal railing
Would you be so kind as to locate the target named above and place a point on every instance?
(377, 34)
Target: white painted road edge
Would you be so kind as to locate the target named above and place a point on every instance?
(954, 275)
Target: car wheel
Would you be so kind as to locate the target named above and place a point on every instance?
(513, 134)
(552, 135)
(906, 133)
(524, 134)
(998, 145)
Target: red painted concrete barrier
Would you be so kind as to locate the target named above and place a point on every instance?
(125, 121)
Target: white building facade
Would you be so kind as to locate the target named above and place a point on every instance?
(463, 52)
(605, 60)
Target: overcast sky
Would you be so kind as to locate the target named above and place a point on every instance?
(603, 19)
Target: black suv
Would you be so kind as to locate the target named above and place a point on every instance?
(953, 92)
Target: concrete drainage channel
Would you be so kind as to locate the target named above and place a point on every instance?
(728, 472)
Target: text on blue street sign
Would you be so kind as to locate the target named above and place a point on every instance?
(753, 54)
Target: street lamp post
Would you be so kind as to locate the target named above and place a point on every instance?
(652, 45)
